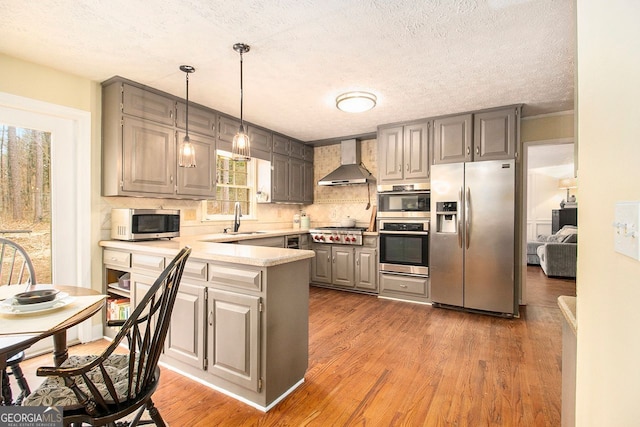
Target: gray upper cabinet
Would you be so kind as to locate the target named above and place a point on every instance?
(280, 144)
(291, 176)
(390, 149)
(139, 147)
(201, 180)
(452, 139)
(227, 129)
(308, 183)
(296, 149)
(143, 127)
(148, 157)
(485, 135)
(147, 105)
(200, 120)
(261, 141)
(260, 138)
(296, 180)
(279, 178)
(403, 153)
(308, 153)
(494, 136)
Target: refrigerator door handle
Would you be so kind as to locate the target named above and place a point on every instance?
(467, 216)
(459, 222)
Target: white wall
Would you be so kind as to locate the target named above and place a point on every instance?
(608, 284)
(542, 197)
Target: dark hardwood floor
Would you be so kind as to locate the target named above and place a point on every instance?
(387, 363)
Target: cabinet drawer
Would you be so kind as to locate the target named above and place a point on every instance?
(235, 277)
(403, 284)
(195, 270)
(147, 262)
(370, 241)
(117, 258)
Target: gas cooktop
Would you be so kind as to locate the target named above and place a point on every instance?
(338, 235)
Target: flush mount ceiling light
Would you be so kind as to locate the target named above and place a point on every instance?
(356, 102)
(186, 152)
(241, 149)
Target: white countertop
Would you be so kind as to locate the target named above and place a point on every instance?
(208, 248)
(567, 306)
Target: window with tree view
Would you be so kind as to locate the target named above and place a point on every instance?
(25, 194)
(235, 183)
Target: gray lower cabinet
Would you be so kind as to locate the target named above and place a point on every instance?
(186, 336)
(233, 349)
(241, 328)
(346, 267)
(366, 268)
(321, 264)
(405, 287)
(342, 266)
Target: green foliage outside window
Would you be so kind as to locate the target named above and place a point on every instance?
(234, 179)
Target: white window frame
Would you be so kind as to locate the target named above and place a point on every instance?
(71, 232)
(252, 177)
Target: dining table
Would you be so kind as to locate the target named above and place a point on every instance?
(22, 326)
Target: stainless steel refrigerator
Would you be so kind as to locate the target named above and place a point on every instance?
(472, 243)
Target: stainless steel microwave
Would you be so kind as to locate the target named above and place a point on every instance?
(144, 224)
(403, 203)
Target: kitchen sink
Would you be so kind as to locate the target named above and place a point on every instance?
(222, 236)
(244, 233)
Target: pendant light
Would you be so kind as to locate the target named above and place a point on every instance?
(241, 149)
(186, 152)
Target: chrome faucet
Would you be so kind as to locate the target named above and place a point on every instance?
(237, 214)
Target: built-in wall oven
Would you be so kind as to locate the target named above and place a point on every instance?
(404, 245)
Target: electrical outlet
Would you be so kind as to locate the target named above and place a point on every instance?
(625, 235)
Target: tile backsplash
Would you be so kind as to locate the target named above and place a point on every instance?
(331, 204)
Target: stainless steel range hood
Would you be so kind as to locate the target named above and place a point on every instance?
(351, 171)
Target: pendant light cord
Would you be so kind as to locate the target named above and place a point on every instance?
(241, 93)
(187, 109)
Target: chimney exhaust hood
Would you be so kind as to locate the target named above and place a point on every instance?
(351, 170)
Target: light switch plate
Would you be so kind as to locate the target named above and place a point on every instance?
(625, 229)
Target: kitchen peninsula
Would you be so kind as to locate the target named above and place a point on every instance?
(240, 322)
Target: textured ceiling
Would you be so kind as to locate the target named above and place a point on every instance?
(421, 58)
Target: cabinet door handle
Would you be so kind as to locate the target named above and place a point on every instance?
(334, 260)
(468, 150)
(170, 178)
(403, 286)
(477, 150)
(407, 167)
(211, 318)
